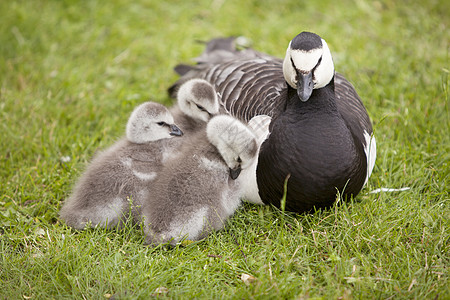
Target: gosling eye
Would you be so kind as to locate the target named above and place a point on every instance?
(161, 123)
(239, 160)
(200, 107)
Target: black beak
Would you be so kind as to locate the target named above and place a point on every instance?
(305, 85)
(234, 173)
(174, 130)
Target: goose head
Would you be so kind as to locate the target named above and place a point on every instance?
(235, 142)
(197, 99)
(150, 122)
(308, 64)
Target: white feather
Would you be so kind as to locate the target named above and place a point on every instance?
(389, 190)
(370, 149)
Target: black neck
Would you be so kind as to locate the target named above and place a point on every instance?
(322, 98)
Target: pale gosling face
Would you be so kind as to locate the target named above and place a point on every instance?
(234, 141)
(197, 99)
(150, 122)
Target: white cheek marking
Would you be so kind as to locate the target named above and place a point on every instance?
(371, 153)
(288, 71)
(306, 60)
(325, 70)
(144, 176)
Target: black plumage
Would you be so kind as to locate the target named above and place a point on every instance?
(320, 143)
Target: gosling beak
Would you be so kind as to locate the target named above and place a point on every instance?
(305, 86)
(174, 130)
(234, 173)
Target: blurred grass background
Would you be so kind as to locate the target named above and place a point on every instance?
(71, 73)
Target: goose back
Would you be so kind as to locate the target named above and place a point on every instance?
(251, 83)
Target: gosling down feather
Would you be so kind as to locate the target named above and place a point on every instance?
(199, 190)
(117, 177)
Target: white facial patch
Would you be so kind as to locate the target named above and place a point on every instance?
(325, 70)
(306, 60)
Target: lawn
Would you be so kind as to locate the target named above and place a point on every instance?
(72, 71)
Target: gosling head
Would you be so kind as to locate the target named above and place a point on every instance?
(308, 64)
(150, 122)
(197, 99)
(235, 142)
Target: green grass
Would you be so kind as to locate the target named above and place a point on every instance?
(71, 73)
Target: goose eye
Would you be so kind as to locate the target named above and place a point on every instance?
(318, 63)
(292, 62)
(161, 123)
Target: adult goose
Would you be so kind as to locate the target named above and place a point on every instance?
(320, 140)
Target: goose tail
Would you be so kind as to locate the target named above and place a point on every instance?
(217, 54)
(217, 50)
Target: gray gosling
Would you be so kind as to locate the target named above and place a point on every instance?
(118, 176)
(197, 103)
(199, 190)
